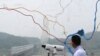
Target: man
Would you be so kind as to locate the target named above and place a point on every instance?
(76, 44)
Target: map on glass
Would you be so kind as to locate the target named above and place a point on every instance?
(27, 24)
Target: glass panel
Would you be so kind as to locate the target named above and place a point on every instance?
(27, 25)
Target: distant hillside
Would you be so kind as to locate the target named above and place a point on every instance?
(55, 41)
(8, 40)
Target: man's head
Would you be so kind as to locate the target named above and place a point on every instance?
(76, 41)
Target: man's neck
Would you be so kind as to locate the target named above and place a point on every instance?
(76, 48)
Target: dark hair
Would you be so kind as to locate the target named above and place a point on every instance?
(76, 40)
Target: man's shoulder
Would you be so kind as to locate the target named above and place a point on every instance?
(80, 52)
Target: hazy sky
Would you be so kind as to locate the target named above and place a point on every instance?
(78, 14)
